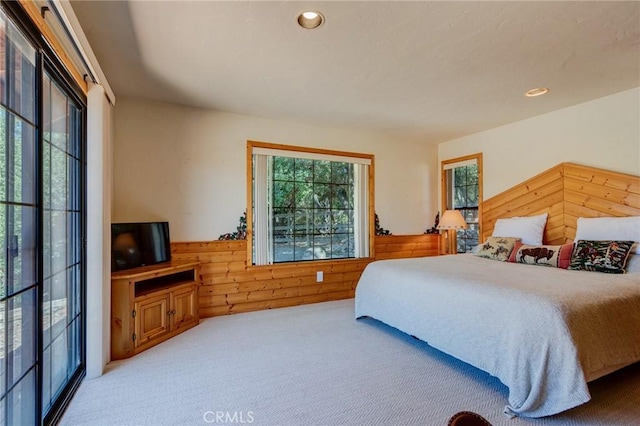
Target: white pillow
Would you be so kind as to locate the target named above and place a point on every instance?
(633, 263)
(610, 228)
(528, 228)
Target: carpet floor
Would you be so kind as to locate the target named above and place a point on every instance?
(314, 365)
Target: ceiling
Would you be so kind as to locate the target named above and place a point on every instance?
(429, 71)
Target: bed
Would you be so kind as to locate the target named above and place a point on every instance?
(544, 332)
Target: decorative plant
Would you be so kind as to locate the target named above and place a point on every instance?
(241, 230)
(434, 229)
(379, 229)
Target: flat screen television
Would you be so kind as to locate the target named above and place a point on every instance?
(139, 244)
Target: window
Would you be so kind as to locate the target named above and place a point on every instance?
(462, 191)
(42, 218)
(308, 204)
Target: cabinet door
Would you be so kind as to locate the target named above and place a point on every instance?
(152, 318)
(185, 308)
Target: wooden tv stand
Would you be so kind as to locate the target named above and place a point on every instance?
(152, 304)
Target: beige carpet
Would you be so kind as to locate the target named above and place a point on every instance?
(314, 365)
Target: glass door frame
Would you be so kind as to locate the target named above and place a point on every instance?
(47, 61)
(58, 75)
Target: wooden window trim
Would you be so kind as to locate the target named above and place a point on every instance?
(39, 21)
(443, 189)
(249, 175)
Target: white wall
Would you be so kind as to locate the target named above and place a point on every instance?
(99, 161)
(603, 133)
(188, 166)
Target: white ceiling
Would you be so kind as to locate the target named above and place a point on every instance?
(427, 70)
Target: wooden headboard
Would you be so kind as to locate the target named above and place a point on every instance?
(566, 192)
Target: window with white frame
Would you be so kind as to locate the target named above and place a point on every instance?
(308, 204)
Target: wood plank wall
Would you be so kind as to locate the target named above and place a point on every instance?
(590, 192)
(229, 286)
(403, 246)
(566, 192)
(542, 193)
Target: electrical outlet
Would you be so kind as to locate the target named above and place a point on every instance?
(319, 276)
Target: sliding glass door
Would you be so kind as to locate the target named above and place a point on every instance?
(18, 228)
(42, 217)
(62, 171)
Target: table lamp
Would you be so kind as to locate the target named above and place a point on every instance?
(451, 221)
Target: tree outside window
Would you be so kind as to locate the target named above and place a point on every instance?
(466, 201)
(308, 204)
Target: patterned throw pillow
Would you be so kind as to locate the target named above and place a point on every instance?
(497, 248)
(554, 256)
(601, 256)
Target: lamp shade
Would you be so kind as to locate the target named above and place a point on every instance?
(452, 219)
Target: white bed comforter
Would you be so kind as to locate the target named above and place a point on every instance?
(544, 332)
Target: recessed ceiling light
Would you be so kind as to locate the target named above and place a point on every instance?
(536, 92)
(310, 19)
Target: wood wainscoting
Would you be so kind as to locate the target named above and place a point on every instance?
(229, 286)
(403, 246)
